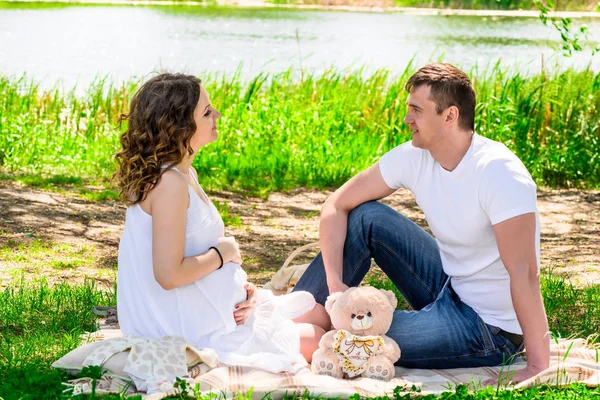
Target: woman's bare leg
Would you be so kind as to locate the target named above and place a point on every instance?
(310, 335)
(317, 316)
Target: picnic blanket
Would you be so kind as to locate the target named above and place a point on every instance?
(572, 361)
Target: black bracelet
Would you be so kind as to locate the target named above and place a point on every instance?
(220, 256)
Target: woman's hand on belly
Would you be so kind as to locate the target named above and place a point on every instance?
(245, 308)
(229, 250)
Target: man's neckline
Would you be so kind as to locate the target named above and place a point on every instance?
(461, 165)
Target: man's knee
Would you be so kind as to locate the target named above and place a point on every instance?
(366, 212)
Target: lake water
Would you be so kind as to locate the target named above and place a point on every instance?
(74, 44)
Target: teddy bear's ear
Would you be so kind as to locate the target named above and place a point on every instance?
(391, 297)
(331, 299)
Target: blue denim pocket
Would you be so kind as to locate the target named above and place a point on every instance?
(503, 344)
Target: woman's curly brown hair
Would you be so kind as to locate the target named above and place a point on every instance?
(160, 125)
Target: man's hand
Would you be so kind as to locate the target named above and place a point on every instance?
(244, 309)
(337, 286)
(516, 244)
(333, 226)
(513, 377)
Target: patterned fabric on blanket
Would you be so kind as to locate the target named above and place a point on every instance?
(571, 361)
(152, 364)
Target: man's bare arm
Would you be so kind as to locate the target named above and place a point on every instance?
(516, 243)
(367, 185)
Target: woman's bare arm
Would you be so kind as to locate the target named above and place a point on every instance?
(168, 205)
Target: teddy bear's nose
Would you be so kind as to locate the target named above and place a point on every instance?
(359, 317)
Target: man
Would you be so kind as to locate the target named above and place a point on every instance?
(475, 288)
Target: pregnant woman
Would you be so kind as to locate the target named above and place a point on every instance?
(178, 273)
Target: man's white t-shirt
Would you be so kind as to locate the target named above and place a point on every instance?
(490, 185)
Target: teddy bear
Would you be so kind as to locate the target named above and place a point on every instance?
(358, 346)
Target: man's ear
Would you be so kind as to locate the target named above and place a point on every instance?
(452, 115)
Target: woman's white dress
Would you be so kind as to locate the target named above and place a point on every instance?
(202, 312)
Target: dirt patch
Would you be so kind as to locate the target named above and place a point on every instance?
(71, 227)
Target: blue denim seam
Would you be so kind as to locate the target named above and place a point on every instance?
(505, 349)
(491, 349)
(495, 331)
(476, 354)
(409, 267)
(508, 344)
(355, 269)
(488, 340)
(444, 287)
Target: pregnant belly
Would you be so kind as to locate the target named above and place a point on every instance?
(222, 289)
(239, 281)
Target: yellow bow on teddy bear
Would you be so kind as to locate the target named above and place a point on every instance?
(354, 351)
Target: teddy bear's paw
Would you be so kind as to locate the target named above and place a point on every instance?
(326, 367)
(380, 371)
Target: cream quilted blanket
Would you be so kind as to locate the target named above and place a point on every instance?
(572, 361)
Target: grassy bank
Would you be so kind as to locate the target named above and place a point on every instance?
(480, 5)
(279, 132)
(557, 5)
(562, 5)
(39, 324)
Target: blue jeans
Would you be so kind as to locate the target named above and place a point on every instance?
(442, 331)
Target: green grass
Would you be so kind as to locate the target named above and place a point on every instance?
(571, 311)
(36, 254)
(564, 5)
(567, 5)
(229, 219)
(39, 324)
(42, 182)
(463, 392)
(101, 195)
(380, 281)
(89, 188)
(279, 132)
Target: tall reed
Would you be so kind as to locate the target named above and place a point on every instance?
(279, 132)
